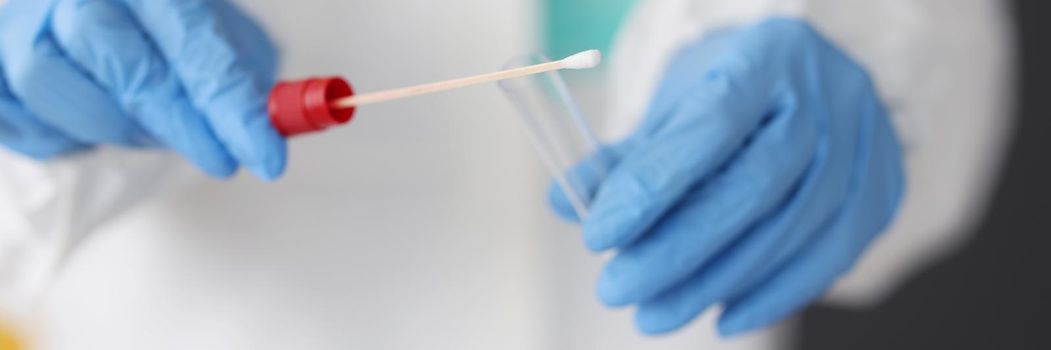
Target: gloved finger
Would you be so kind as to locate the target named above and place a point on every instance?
(221, 80)
(705, 131)
(105, 40)
(876, 190)
(745, 262)
(754, 185)
(831, 179)
(60, 95)
(712, 124)
(585, 177)
(795, 285)
(21, 132)
(742, 263)
(754, 258)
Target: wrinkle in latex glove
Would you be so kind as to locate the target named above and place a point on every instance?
(764, 168)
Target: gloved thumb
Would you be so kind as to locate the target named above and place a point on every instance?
(583, 180)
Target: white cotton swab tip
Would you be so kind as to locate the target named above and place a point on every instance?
(584, 60)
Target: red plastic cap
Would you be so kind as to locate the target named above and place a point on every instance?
(299, 107)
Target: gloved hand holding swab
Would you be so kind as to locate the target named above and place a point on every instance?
(311, 105)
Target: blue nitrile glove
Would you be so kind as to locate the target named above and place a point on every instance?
(190, 75)
(764, 168)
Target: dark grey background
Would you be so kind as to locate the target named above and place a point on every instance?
(996, 293)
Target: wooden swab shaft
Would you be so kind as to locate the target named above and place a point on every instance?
(383, 96)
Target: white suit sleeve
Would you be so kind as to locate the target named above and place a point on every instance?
(47, 209)
(943, 67)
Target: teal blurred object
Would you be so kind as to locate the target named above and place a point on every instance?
(575, 25)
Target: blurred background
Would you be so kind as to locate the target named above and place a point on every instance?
(432, 210)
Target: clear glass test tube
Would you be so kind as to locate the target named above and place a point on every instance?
(558, 131)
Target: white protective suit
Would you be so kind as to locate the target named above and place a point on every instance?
(422, 224)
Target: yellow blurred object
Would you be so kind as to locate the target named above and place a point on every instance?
(8, 339)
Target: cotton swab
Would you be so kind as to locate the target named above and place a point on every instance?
(584, 60)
